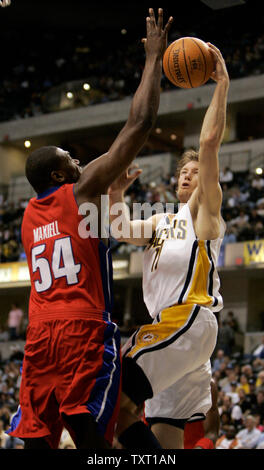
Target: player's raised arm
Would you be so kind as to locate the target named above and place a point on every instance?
(211, 136)
(100, 173)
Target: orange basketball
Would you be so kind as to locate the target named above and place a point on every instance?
(188, 62)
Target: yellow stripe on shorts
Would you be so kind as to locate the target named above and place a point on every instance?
(171, 320)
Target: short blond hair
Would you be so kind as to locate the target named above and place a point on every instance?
(188, 156)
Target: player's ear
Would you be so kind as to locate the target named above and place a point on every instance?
(58, 176)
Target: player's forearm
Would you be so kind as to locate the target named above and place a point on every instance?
(145, 104)
(215, 118)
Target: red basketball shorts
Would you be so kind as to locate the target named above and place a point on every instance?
(70, 366)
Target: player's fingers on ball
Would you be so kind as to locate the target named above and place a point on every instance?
(214, 48)
(215, 53)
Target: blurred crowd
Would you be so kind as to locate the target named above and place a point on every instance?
(240, 380)
(10, 230)
(242, 210)
(30, 74)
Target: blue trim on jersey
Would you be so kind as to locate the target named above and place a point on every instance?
(103, 398)
(106, 268)
(47, 192)
(15, 420)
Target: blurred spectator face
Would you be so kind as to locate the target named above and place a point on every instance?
(250, 423)
(261, 377)
(252, 385)
(230, 432)
(227, 401)
(241, 393)
(225, 418)
(220, 354)
(247, 370)
(243, 379)
(260, 397)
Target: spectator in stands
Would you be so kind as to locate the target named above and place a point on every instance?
(260, 380)
(248, 371)
(226, 406)
(232, 321)
(249, 436)
(258, 407)
(257, 182)
(243, 383)
(3, 436)
(14, 321)
(225, 339)
(227, 440)
(259, 350)
(230, 235)
(233, 392)
(219, 359)
(225, 420)
(226, 177)
(241, 221)
(251, 396)
(14, 443)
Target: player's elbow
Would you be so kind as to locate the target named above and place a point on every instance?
(210, 141)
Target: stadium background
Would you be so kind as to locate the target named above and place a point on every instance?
(68, 71)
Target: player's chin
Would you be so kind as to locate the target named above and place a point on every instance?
(77, 174)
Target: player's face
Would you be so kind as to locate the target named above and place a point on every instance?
(70, 166)
(188, 180)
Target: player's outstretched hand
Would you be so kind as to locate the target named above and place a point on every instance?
(5, 3)
(157, 37)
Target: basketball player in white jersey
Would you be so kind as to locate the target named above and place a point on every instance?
(180, 289)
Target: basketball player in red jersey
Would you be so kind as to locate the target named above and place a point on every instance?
(71, 367)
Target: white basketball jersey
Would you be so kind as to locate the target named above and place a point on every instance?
(178, 268)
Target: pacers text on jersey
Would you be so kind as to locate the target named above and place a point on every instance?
(46, 231)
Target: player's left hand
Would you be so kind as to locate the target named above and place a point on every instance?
(5, 3)
(125, 179)
(220, 73)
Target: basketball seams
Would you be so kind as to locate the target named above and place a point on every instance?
(185, 61)
(168, 66)
(205, 62)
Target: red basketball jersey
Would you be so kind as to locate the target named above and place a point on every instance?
(69, 274)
